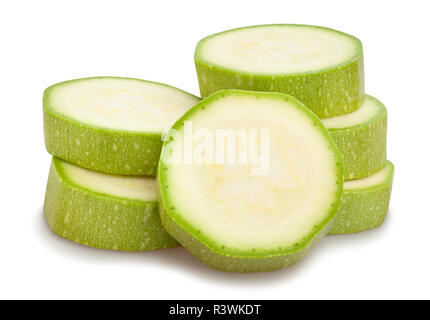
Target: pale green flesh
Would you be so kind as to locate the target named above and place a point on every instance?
(101, 211)
(374, 180)
(321, 67)
(369, 110)
(120, 104)
(111, 125)
(365, 202)
(137, 188)
(224, 206)
(278, 49)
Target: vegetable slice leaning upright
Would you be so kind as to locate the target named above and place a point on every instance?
(248, 216)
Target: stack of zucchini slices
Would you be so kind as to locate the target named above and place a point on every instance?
(105, 135)
(139, 165)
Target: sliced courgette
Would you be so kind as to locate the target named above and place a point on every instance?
(102, 210)
(365, 202)
(232, 215)
(361, 137)
(321, 67)
(111, 125)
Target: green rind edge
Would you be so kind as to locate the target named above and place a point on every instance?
(99, 220)
(327, 92)
(221, 258)
(364, 208)
(363, 146)
(97, 148)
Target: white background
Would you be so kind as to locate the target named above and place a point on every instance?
(44, 42)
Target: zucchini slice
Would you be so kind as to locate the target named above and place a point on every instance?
(361, 137)
(232, 215)
(102, 210)
(112, 125)
(321, 67)
(365, 202)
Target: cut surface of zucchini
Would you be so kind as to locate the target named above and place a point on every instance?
(234, 218)
(102, 210)
(365, 202)
(110, 124)
(321, 67)
(361, 137)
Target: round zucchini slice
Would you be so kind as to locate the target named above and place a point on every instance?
(365, 202)
(321, 67)
(104, 211)
(262, 214)
(111, 125)
(361, 137)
